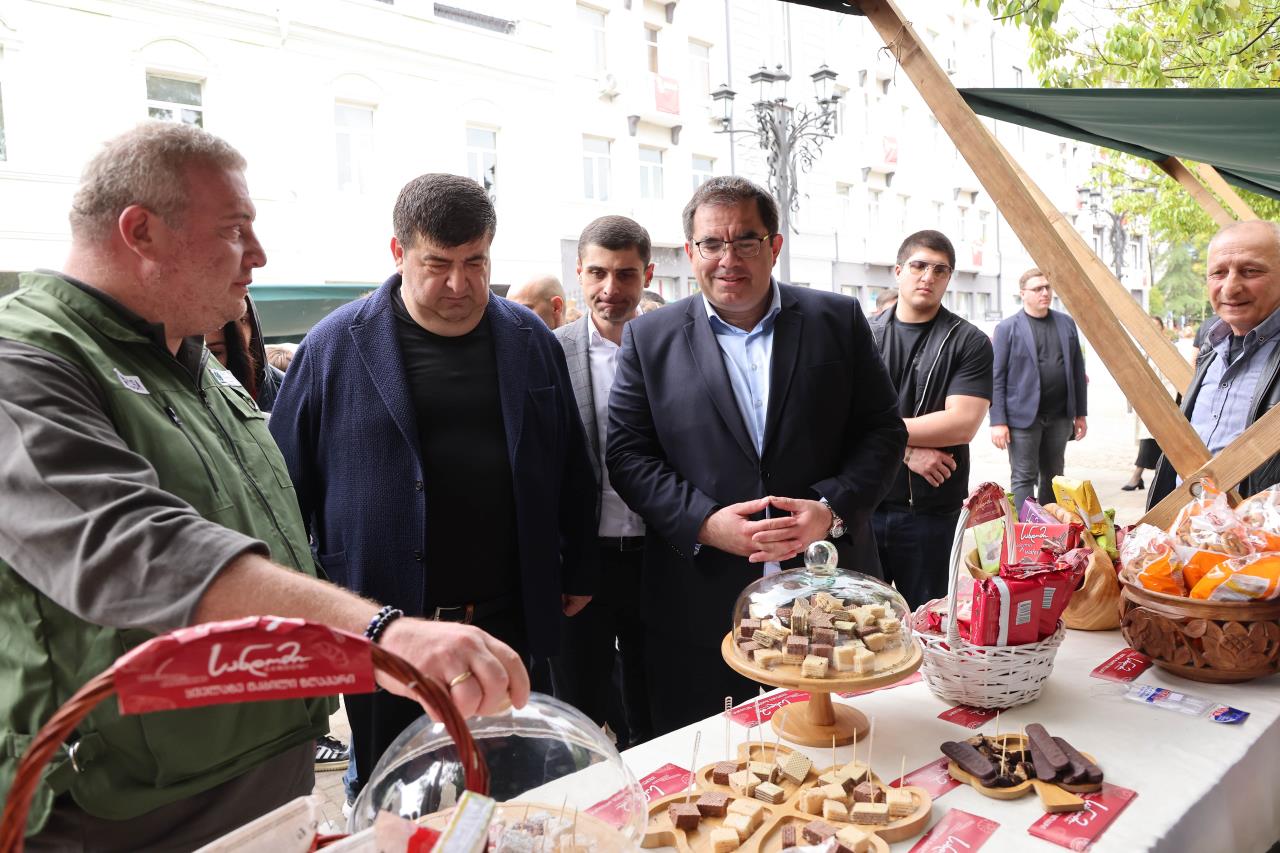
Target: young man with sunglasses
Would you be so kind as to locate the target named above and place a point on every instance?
(940, 366)
(744, 423)
(1040, 392)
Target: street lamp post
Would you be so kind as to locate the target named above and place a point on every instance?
(1119, 238)
(792, 137)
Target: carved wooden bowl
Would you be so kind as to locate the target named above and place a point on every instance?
(1222, 642)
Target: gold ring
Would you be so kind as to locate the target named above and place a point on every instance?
(458, 679)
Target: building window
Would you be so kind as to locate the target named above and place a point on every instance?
(595, 168)
(650, 173)
(703, 170)
(667, 286)
(591, 25)
(353, 136)
(651, 46)
(700, 69)
(482, 158)
(173, 99)
(873, 208)
(850, 290)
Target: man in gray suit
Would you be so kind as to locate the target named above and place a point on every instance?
(613, 268)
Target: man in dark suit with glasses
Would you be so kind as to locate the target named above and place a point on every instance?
(745, 422)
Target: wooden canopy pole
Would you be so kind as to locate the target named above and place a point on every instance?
(1033, 220)
(1174, 168)
(1226, 191)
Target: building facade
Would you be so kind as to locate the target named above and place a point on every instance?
(564, 110)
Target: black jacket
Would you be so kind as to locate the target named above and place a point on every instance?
(935, 363)
(1265, 395)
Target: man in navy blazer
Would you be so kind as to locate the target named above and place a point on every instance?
(1039, 396)
(744, 423)
(432, 436)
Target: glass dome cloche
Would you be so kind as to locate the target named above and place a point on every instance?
(553, 773)
(822, 622)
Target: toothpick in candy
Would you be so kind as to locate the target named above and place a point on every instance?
(871, 743)
(903, 773)
(728, 747)
(693, 767)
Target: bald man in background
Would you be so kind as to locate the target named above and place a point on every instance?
(543, 296)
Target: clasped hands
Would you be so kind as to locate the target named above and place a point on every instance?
(731, 529)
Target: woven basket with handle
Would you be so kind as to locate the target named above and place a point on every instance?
(60, 726)
(982, 676)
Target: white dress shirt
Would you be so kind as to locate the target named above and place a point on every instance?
(616, 518)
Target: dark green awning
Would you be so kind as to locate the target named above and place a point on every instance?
(1237, 131)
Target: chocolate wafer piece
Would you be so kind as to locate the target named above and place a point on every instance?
(788, 836)
(823, 636)
(1083, 771)
(748, 627)
(684, 815)
(971, 761)
(1053, 753)
(818, 831)
(769, 792)
(872, 814)
(720, 772)
(713, 804)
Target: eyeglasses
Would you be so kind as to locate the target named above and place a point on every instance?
(919, 268)
(1044, 288)
(744, 247)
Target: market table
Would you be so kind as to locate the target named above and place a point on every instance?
(1200, 785)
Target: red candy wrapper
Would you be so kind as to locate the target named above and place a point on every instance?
(1006, 612)
(1043, 543)
(1058, 583)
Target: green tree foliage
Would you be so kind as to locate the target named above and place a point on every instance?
(1180, 282)
(1152, 44)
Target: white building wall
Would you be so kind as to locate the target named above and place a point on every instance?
(73, 74)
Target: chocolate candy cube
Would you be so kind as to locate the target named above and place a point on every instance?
(868, 792)
(783, 613)
(788, 836)
(748, 627)
(824, 636)
(821, 650)
(747, 648)
(713, 804)
(684, 815)
(818, 831)
(720, 773)
(724, 840)
(819, 620)
(797, 645)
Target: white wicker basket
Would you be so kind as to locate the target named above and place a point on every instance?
(982, 676)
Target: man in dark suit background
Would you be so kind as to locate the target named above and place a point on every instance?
(613, 269)
(1038, 400)
(745, 422)
(404, 420)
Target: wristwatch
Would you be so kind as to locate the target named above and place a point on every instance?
(837, 523)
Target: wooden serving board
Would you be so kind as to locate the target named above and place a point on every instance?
(1050, 801)
(768, 838)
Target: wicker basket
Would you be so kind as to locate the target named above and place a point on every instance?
(64, 721)
(982, 676)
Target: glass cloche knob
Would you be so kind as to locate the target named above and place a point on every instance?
(821, 556)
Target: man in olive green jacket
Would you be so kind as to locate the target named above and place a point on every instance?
(143, 493)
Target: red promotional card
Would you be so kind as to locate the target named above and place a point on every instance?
(970, 718)
(957, 831)
(667, 779)
(1124, 665)
(910, 679)
(244, 660)
(933, 777)
(1078, 830)
(745, 715)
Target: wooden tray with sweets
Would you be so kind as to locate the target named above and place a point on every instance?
(1054, 796)
(767, 837)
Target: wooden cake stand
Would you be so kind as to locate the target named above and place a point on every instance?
(768, 838)
(814, 722)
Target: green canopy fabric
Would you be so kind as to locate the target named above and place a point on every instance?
(1237, 131)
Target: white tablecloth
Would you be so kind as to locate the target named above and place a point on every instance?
(1201, 785)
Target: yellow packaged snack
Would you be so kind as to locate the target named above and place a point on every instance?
(1079, 497)
(1253, 578)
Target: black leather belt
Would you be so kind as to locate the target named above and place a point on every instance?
(470, 613)
(621, 543)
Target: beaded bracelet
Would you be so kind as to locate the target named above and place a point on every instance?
(378, 624)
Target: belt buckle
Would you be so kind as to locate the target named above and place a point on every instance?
(468, 614)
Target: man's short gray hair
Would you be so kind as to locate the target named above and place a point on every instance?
(145, 166)
(1273, 227)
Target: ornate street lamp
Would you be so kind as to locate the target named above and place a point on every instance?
(1092, 198)
(792, 136)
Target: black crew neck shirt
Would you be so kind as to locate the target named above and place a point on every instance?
(904, 343)
(1053, 369)
(470, 550)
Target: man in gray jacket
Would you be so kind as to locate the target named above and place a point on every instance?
(613, 268)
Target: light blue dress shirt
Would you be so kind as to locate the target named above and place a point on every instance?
(748, 358)
(1222, 406)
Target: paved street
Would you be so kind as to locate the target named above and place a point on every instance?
(1105, 456)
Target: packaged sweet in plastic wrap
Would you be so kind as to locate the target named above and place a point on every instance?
(1033, 513)
(1057, 581)
(1079, 497)
(1035, 542)
(1006, 611)
(1208, 523)
(1261, 514)
(1252, 578)
(1150, 557)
